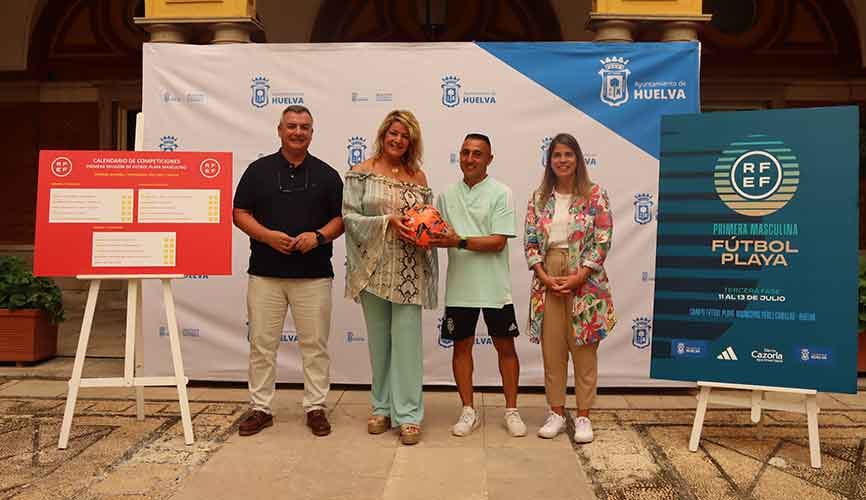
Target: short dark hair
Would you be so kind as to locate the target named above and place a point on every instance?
(478, 137)
(297, 109)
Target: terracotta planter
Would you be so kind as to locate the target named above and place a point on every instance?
(861, 352)
(26, 335)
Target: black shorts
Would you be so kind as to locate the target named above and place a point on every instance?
(459, 322)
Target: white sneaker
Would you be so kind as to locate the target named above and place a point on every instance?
(514, 423)
(582, 430)
(552, 426)
(467, 422)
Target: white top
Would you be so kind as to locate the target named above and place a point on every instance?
(559, 224)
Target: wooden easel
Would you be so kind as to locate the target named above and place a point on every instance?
(756, 401)
(132, 354)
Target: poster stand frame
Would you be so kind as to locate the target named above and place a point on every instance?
(133, 354)
(808, 405)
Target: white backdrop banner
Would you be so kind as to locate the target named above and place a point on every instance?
(609, 96)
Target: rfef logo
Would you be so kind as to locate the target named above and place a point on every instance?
(614, 81)
(357, 150)
(640, 329)
(61, 166)
(209, 168)
(756, 176)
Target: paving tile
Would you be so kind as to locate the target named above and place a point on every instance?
(496, 436)
(35, 389)
(439, 415)
(136, 479)
(856, 401)
(167, 393)
(222, 394)
(609, 402)
(422, 473)
(7, 383)
(533, 400)
(551, 474)
(293, 398)
(775, 484)
(355, 397)
(827, 402)
(660, 402)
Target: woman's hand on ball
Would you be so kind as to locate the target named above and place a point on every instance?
(398, 224)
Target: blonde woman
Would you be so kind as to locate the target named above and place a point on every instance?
(567, 237)
(390, 276)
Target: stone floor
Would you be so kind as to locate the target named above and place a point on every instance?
(640, 450)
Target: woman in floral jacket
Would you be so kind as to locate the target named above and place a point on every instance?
(567, 237)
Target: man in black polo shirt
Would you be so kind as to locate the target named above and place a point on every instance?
(289, 204)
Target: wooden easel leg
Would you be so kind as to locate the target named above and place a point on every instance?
(700, 413)
(78, 366)
(177, 360)
(814, 441)
(131, 320)
(755, 416)
(139, 357)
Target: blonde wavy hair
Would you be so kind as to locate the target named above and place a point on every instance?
(412, 157)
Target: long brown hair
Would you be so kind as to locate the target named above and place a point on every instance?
(412, 157)
(582, 183)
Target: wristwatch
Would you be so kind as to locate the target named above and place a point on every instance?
(320, 238)
(462, 243)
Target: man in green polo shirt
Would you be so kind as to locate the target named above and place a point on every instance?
(481, 212)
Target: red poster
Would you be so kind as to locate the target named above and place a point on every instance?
(126, 212)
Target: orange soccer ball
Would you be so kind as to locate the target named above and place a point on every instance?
(423, 221)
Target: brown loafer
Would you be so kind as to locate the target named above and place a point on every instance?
(254, 421)
(317, 421)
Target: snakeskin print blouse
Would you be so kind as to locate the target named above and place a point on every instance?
(377, 260)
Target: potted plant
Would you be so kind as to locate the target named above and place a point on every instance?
(30, 309)
(861, 337)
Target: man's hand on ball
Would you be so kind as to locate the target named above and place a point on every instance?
(445, 240)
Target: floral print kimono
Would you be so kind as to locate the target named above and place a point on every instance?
(590, 229)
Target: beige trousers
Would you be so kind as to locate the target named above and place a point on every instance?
(557, 341)
(310, 302)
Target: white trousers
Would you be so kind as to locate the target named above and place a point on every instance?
(267, 302)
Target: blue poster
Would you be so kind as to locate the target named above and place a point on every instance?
(756, 261)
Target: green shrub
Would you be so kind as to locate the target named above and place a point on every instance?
(19, 289)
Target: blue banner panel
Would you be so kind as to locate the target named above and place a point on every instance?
(756, 262)
(631, 79)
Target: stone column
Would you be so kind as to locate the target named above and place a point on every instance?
(680, 31)
(166, 33)
(228, 32)
(613, 30)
